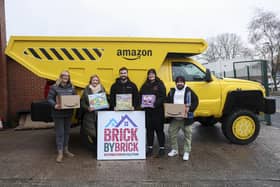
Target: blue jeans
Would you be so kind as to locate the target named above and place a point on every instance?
(62, 128)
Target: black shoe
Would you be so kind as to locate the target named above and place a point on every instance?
(94, 154)
(149, 152)
(161, 152)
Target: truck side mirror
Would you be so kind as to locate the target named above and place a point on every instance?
(208, 77)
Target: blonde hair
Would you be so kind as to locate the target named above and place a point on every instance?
(93, 76)
(59, 80)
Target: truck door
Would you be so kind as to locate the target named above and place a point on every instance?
(209, 93)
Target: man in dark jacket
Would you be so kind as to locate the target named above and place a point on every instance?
(182, 95)
(123, 86)
(153, 86)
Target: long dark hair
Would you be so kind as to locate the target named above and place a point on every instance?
(152, 70)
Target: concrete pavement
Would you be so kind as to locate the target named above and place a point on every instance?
(27, 158)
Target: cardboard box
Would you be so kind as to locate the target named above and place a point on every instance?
(174, 110)
(68, 101)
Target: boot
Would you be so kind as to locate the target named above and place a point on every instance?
(67, 152)
(59, 156)
(149, 151)
(161, 152)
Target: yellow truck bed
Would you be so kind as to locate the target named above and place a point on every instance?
(85, 56)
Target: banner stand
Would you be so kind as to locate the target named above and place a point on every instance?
(121, 135)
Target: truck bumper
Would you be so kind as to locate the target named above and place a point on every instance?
(269, 105)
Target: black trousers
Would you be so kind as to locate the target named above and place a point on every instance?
(155, 123)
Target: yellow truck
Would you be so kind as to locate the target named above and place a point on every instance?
(233, 102)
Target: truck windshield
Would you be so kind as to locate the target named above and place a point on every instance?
(190, 71)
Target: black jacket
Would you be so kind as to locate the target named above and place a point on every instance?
(156, 88)
(84, 98)
(124, 88)
(194, 100)
(89, 119)
(57, 91)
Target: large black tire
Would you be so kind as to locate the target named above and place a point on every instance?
(241, 127)
(224, 129)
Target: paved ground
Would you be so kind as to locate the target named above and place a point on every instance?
(275, 118)
(27, 158)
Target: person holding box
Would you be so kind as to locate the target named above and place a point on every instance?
(61, 117)
(182, 94)
(124, 93)
(93, 99)
(152, 95)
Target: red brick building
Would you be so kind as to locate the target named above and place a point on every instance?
(3, 65)
(23, 87)
(18, 86)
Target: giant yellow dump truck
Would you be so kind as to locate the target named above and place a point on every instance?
(235, 103)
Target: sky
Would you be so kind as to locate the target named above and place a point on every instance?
(145, 18)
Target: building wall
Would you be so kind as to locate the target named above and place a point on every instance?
(23, 88)
(3, 66)
(18, 86)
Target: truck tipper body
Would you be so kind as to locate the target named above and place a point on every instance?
(233, 102)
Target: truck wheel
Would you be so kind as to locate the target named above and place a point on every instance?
(224, 129)
(242, 127)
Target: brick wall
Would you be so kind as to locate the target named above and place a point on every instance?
(23, 88)
(18, 86)
(3, 65)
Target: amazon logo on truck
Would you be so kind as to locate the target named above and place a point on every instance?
(134, 54)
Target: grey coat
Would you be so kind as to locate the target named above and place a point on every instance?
(57, 91)
(89, 118)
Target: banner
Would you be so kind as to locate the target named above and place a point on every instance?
(121, 135)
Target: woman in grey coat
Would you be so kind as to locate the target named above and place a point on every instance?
(61, 117)
(89, 120)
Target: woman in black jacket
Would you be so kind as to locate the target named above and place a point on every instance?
(89, 114)
(154, 91)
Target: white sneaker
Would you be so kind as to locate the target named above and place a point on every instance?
(186, 156)
(173, 152)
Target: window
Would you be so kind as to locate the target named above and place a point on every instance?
(188, 70)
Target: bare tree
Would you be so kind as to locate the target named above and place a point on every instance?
(211, 55)
(264, 34)
(225, 46)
